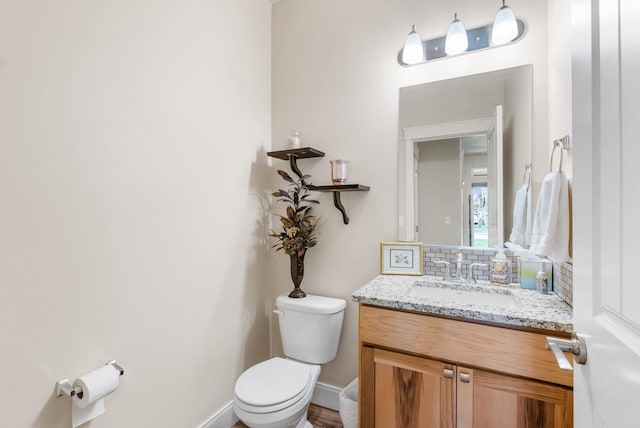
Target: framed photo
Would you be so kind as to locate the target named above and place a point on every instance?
(401, 258)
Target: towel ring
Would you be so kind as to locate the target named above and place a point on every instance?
(556, 144)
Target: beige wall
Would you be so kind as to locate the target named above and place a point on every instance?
(133, 176)
(336, 79)
(560, 109)
(560, 78)
(132, 188)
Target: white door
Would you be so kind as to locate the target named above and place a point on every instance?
(606, 209)
(494, 179)
(416, 192)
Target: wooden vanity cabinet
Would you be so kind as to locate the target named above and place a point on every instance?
(411, 391)
(489, 399)
(422, 371)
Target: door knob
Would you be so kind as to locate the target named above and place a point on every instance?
(577, 346)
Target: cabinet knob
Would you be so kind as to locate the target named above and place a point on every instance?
(448, 373)
(465, 377)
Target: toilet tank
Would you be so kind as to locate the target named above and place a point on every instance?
(310, 327)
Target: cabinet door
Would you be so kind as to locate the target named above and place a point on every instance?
(412, 391)
(487, 399)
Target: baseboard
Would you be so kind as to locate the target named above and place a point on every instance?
(223, 418)
(324, 395)
(327, 396)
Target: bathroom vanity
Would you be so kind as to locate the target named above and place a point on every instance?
(431, 359)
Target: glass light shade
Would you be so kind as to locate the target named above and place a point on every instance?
(456, 41)
(413, 53)
(505, 27)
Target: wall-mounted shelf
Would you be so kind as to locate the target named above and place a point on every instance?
(336, 190)
(292, 155)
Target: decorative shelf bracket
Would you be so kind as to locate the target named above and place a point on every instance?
(292, 155)
(336, 189)
(293, 164)
(338, 204)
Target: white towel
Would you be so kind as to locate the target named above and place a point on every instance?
(550, 234)
(521, 230)
(523, 253)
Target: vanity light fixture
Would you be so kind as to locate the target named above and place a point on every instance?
(505, 29)
(413, 52)
(456, 41)
(505, 26)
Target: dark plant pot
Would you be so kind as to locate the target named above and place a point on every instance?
(297, 272)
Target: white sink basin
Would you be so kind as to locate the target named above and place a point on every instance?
(465, 294)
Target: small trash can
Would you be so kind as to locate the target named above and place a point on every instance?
(349, 405)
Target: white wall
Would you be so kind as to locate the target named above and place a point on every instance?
(336, 79)
(132, 195)
(560, 78)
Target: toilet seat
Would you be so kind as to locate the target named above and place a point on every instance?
(272, 385)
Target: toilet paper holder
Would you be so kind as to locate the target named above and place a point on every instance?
(63, 386)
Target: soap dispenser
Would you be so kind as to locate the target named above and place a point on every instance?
(500, 269)
(542, 280)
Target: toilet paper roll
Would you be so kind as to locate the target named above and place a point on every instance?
(96, 385)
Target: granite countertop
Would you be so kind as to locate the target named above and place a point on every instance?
(531, 309)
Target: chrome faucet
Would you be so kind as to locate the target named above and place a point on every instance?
(470, 276)
(459, 266)
(447, 268)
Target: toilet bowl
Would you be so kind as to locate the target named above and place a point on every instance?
(275, 394)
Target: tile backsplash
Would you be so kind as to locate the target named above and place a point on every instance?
(563, 281)
(562, 273)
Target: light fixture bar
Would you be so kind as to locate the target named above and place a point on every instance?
(479, 39)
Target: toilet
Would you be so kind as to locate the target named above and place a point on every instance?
(276, 393)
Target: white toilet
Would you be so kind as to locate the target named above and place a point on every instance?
(276, 393)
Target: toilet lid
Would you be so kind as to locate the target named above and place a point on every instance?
(275, 383)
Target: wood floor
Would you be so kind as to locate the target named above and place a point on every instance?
(319, 417)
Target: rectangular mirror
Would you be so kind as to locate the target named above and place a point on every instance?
(464, 145)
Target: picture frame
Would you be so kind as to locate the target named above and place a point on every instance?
(401, 258)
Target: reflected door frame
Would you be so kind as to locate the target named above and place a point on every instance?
(407, 222)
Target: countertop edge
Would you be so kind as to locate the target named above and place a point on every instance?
(389, 292)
